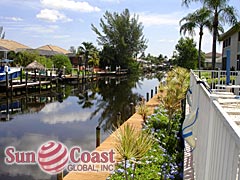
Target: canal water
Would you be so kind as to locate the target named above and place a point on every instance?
(69, 114)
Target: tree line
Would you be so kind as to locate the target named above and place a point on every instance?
(121, 40)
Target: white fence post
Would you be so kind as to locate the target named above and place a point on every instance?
(217, 151)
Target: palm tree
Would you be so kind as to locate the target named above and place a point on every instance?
(90, 53)
(222, 13)
(84, 50)
(199, 19)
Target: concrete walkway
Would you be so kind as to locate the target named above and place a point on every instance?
(188, 170)
(137, 121)
(188, 163)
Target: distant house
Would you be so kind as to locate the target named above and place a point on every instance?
(10, 45)
(47, 50)
(208, 60)
(76, 60)
(231, 41)
(52, 49)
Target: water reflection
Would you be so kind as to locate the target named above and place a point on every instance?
(69, 114)
(116, 99)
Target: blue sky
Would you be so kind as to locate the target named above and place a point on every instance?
(67, 23)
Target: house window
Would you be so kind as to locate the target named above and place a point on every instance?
(227, 42)
(238, 62)
(239, 36)
(224, 59)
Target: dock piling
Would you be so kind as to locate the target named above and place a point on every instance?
(7, 83)
(119, 116)
(98, 136)
(132, 108)
(60, 176)
(21, 70)
(26, 80)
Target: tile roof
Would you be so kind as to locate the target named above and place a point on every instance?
(11, 45)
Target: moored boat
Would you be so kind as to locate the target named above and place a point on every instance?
(13, 72)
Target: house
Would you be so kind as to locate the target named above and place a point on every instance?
(76, 60)
(49, 50)
(46, 50)
(213, 132)
(231, 41)
(12, 45)
(53, 49)
(208, 60)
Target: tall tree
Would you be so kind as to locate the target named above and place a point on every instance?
(121, 37)
(199, 19)
(62, 62)
(186, 53)
(222, 13)
(72, 50)
(90, 53)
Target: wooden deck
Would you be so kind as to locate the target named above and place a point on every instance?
(30, 84)
(17, 87)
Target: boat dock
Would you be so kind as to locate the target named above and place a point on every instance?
(14, 87)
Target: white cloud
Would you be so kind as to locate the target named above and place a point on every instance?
(149, 19)
(12, 18)
(69, 5)
(55, 113)
(23, 3)
(41, 29)
(111, 1)
(61, 36)
(65, 118)
(29, 142)
(81, 20)
(167, 40)
(52, 16)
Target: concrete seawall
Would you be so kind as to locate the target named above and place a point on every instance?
(136, 120)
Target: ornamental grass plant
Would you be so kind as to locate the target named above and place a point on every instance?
(163, 157)
(132, 145)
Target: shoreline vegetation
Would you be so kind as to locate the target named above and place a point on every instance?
(164, 159)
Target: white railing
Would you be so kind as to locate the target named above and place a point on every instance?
(216, 156)
(218, 76)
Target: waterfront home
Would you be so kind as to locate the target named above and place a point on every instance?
(10, 45)
(46, 50)
(231, 41)
(208, 60)
(215, 132)
(52, 48)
